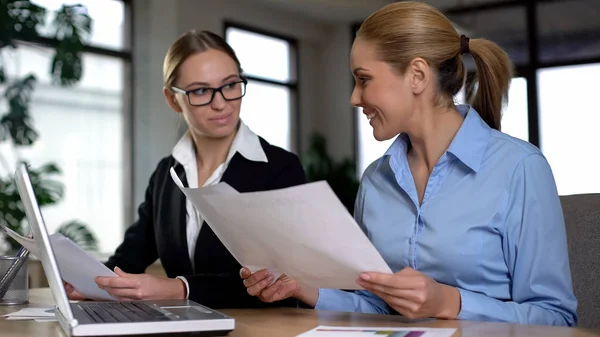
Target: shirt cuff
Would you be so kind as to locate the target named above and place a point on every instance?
(329, 299)
(470, 305)
(187, 286)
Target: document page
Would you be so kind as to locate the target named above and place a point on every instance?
(335, 331)
(76, 266)
(302, 231)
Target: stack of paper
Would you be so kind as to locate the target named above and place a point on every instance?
(334, 331)
(37, 314)
(303, 231)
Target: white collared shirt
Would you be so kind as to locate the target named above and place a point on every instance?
(245, 142)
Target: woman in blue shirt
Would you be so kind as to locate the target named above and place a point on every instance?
(467, 217)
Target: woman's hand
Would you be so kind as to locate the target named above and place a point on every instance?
(261, 284)
(414, 294)
(135, 287)
(72, 294)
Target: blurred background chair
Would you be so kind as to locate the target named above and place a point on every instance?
(582, 218)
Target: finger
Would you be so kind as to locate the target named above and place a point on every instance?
(409, 294)
(245, 273)
(256, 278)
(407, 309)
(275, 292)
(260, 286)
(404, 306)
(380, 278)
(76, 296)
(396, 281)
(68, 288)
(126, 293)
(120, 272)
(118, 282)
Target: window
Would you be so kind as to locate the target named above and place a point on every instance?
(369, 149)
(514, 116)
(269, 64)
(82, 128)
(569, 119)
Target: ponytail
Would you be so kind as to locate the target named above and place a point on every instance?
(494, 73)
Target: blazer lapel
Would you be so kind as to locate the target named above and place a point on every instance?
(179, 225)
(244, 175)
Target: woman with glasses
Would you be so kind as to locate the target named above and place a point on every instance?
(203, 82)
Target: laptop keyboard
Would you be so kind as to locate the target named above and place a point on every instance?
(116, 312)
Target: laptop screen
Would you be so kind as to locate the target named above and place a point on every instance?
(42, 241)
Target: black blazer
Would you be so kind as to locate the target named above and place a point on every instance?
(160, 231)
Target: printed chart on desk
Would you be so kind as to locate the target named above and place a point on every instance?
(331, 331)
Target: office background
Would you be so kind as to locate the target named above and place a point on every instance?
(109, 131)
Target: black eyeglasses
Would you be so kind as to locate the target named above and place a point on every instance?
(203, 96)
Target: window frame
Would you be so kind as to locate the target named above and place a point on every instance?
(292, 84)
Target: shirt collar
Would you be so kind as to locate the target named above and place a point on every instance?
(471, 140)
(246, 142)
(469, 143)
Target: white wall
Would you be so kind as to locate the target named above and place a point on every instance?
(324, 76)
(154, 124)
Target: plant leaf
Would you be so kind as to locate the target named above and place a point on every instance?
(341, 176)
(47, 191)
(79, 233)
(72, 20)
(67, 65)
(4, 131)
(20, 128)
(18, 121)
(19, 92)
(73, 27)
(11, 208)
(19, 19)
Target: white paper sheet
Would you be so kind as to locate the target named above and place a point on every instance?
(37, 314)
(302, 231)
(76, 266)
(336, 331)
(30, 312)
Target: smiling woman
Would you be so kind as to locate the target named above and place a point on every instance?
(467, 217)
(204, 83)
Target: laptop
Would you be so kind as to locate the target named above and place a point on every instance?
(106, 318)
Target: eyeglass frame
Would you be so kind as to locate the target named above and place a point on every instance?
(214, 92)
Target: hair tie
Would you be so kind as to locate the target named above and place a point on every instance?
(464, 45)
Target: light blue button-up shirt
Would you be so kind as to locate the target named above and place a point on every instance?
(490, 224)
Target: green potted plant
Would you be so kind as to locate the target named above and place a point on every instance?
(341, 176)
(22, 21)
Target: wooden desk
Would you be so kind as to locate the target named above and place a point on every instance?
(291, 322)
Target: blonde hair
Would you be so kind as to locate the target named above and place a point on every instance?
(403, 31)
(191, 43)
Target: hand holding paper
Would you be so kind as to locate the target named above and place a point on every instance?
(76, 266)
(302, 231)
